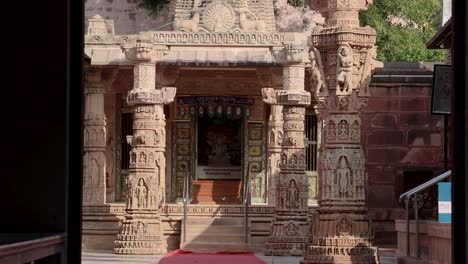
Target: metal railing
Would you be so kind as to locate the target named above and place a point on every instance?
(246, 204)
(185, 201)
(414, 192)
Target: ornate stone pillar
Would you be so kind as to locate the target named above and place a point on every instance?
(275, 138)
(342, 231)
(94, 148)
(290, 227)
(140, 232)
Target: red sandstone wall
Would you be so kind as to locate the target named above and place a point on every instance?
(399, 134)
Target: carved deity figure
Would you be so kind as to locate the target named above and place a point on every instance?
(292, 195)
(343, 174)
(331, 129)
(142, 193)
(343, 128)
(345, 67)
(219, 154)
(355, 130)
(128, 185)
(93, 173)
(269, 95)
(317, 81)
(367, 71)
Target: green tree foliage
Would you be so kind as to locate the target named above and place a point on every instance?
(414, 23)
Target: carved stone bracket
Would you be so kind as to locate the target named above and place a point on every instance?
(144, 52)
(163, 96)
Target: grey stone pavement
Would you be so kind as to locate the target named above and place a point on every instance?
(107, 257)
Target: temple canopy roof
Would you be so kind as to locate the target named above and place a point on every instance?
(209, 32)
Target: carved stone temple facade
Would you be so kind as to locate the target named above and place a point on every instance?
(228, 104)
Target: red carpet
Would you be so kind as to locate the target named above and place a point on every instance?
(186, 257)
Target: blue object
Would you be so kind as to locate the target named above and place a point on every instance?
(445, 202)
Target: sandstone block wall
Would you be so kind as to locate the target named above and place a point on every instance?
(401, 137)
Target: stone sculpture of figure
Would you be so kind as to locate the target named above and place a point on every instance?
(249, 24)
(317, 78)
(197, 3)
(355, 131)
(219, 152)
(292, 195)
(190, 25)
(142, 193)
(284, 159)
(280, 138)
(243, 3)
(343, 129)
(93, 173)
(343, 174)
(345, 67)
(331, 129)
(367, 71)
(269, 95)
(129, 192)
(94, 136)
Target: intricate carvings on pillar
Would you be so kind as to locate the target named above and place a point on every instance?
(140, 232)
(94, 144)
(342, 231)
(291, 223)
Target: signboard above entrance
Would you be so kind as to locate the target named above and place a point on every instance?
(215, 99)
(231, 107)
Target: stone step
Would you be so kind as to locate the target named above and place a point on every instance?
(221, 238)
(219, 232)
(215, 227)
(386, 251)
(214, 247)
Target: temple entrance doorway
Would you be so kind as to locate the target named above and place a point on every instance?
(219, 160)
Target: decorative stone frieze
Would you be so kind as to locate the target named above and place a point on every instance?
(140, 232)
(342, 231)
(223, 16)
(290, 227)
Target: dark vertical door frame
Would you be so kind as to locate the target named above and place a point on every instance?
(459, 132)
(74, 141)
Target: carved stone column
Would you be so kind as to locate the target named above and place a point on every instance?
(94, 148)
(275, 138)
(342, 231)
(140, 232)
(290, 227)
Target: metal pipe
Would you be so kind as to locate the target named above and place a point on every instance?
(407, 228)
(185, 200)
(416, 219)
(427, 184)
(246, 205)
